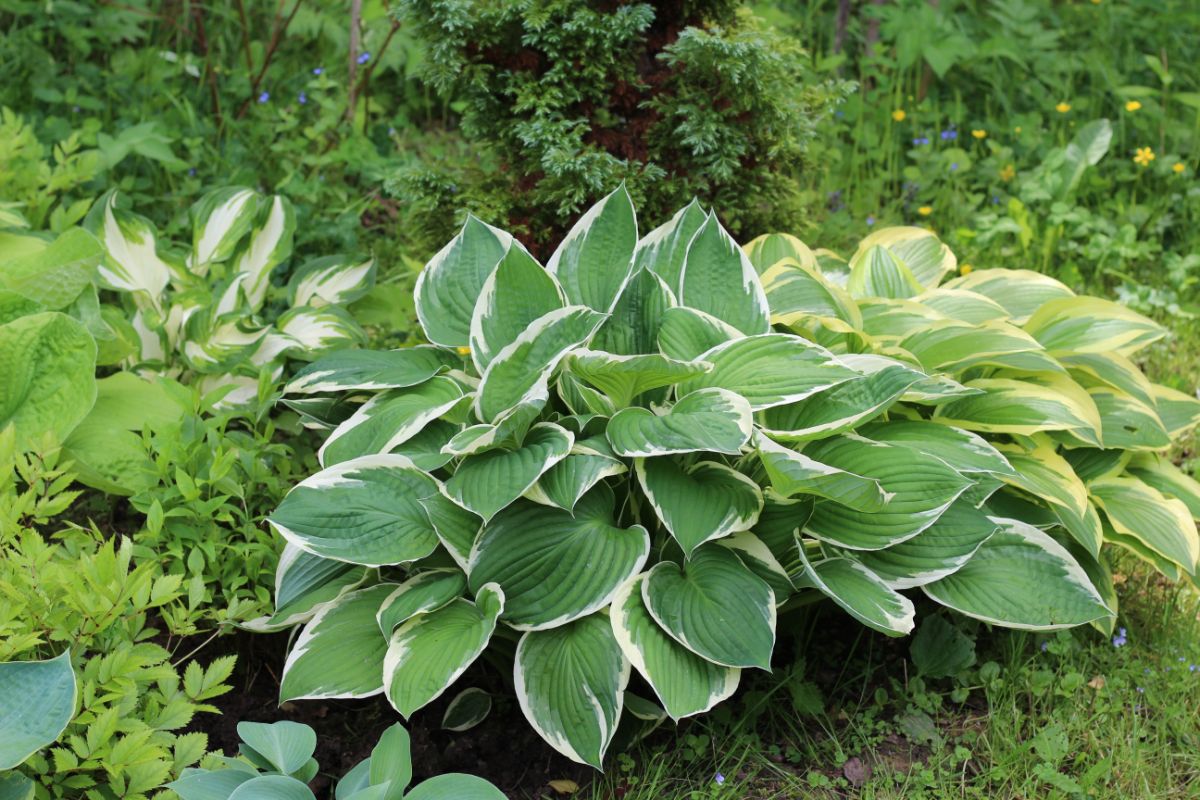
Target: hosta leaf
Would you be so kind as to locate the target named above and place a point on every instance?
(331, 280)
(312, 331)
(517, 292)
(634, 324)
(925, 256)
(389, 419)
(487, 482)
(420, 594)
(450, 285)
(1021, 407)
(427, 448)
(1157, 471)
(796, 293)
(1127, 423)
(962, 305)
(685, 683)
(593, 263)
(951, 346)
(938, 551)
(713, 420)
(37, 700)
(555, 566)
(962, 450)
(429, 652)
(1091, 325)
(456, 527)
(359, 370)
(570, 682)
(365, 511)
(272, 787)
(456, 785)
(715, 607)
(1108, 369)
(202, 785)
(287, 746)
(590, 461)
(792, 473)
(1045, 474)
(862, 594)
(132, 263)
(219, 221)
(770, 370)
(1021, 578)
(623, 378)
(769, 249)
(1180, 413)
(468, 708)
(685, 333)
(1020, 291)
(339, 652)
(53, 277)
(719, 279)
(662, 250)
(304, 583)
(700, 502)
(892, 319)
(508, 432)
(876, 271)
(1139, 510)
(269, 245)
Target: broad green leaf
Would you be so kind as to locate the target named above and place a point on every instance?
(623, 378)
(595, 260)
(468, 708)
(1139, 510)
(635, 322)
(556, 566)
(951, 346)
(962, 450)
(331, 280)
(662, 250)
(570, 682)
(719, 279)
(311, 332)
(796, 293)
(685, 683)
(711, 420)
(488, 482)
(1090, 463)
(1157, 471)
(1108, 369)
(429, 652)
(715, 607)
(456, 785)
(699, 502)
(509, 432)
(286, 745)
(1127, 423)
(1021, 407)
(792, 473)
(304, 583)
(456, 527)
(1092, 325)
(589, 462)
(1020, 291)
(269, 245)
(53, 277)
(1180, 413)
(1045, 474)
(518, 292)
(197, 784)
(862, 594)
(220, 219)
(962, 305)
(37, 700)
(450, 285)
(761, 560)
(361, 370)
(272, 787)
(389, 419)
(132, 263)
(938, 551)
(1021, 578)
(391, 762)
(876, 271)
(769, 249)
(940, 650)
(686, 333)
(891, 319)
(420, 594)
(922, 253)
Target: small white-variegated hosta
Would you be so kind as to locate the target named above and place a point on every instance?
(636, 460)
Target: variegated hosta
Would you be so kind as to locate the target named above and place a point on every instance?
(208, 307)
(636, 459)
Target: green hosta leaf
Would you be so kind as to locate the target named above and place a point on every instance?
(304, 583)
(962, 450)
(962, 305)
(429, 652)
(555, 566)
(202, 785)
(1127, 423)
(1020, 291)
(633, 326)
(792, 473)
(520, 373)
(1157, 471)
(719, 279)
(1138, 510)
(951, 346)
(456, 527)
(939, 650)
(663, 249)
(1047, 475)
(427, 447)
(623, 378)
(862, 594)
(366, 511)
(518, 292)
(686, 333)
(48, 362)
(1109, 369)
(53, 277)
(1022, 407)
(685, 683)
(389, 766)
(770, 370)
(389, 419)
(892, 319)
(219, 221)
(360, 370)
(589, 461)
(509, 431)
(339, 652)
(451, 283)
(331, 280)
(468, 708)
(769, 249)
(582, 399)
(420, 594)
(593, 263)
(700, 502)
(1180, 413)
(37, 700)
(570, 682)
(938, 551)
(713, 420)
(876, 271)
(1021, 578)
(286, 746)
(925, 256)
(797, 293)
(272, 787)
(761, 560)
(269, 245)
(715, 607)
(456, 785)
(1092, 325)
(132, 263)
(487, 482)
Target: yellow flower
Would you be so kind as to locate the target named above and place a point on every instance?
(965, 269)
(1178, 167)
(1008, 173)
(464, 351)
(1017, 129)
(1063, 108)
(979, 133)
(1144, 156)
(899, 115)
(1132, 105)
(925, 211)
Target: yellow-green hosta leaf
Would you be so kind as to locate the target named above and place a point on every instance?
(595, 259)
(429, 652)
(1090, 463)
(420, 594)
(952, 346)
(938, 551)
(365, 511)
(1021, 578)
(556, 566)
(1180, 413)
(699, 502)
(962, 305)
(518, 292)
(623, 378)
(590, 461)
(489, 481)
(1092, 325)
(773, 369)
(769, 249)
(331, 280)
(1022, 407)
(53, 277)
(861, 593)
(570, 683)
(715, 607)
(220, 219)
(269, 245)
(876, 271)
(1138, 510)
(796, 293)
(389, 419)
(710, 420)
(964, 451)
(685, 683)
(132, 263)
(635, 322)
(792, 473)
(1127, 423)
(362, 370)
(1111, 369)
(719, 279)
(1045, 474)
(339, 652)
(893, 319)
(37, 700)
(1020, 291)
(662, 250)
(450, 284)
(924, 255)
(685, 333)
(1157, 470)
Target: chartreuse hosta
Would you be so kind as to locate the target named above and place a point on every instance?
(634, 458)
(209, 307)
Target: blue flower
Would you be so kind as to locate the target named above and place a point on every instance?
(364, 58)
(1119, 640)
(302, 98)
(1045, 646)
(318, 70)
(1141, 690)
(1191, 667)
(870, 221)
(719, 778)
(264, 97)
(954, 166)
(949, 134)
(920, 140)
(191, 172)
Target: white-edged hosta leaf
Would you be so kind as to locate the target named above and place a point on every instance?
(862, 594)
(1092, 325)
(1021, 407)
(719, 279)
(1109, 369)
(427, 447)
(964, 451)
(685, 683)
(555, 566)
(487, 482)
(937, 389)
(1045, 474)
(331, 280)
(269, 245)
(582, 399)
(797, 293)
(1127, 423)
(715, 607)
(773, 369)
(769, 249)
(938, 551)
(1020, 291)
(792, 473)
(952, 346)
(761, 560)
(876, 271)
(590, 461)
(467, 709)
(366, 511)
(1021, 578)
(132, 263)
(570, 683)
(517, 292)
(925, 256)
(520, 373)
(662, 250)
(360, 370)
(507, 432)
(1179, 412)
(623, 378)
(313, 331)
(219, 221)
(420, 594)
(706, 420)
(456, 527)
(450, 284)
(595, 259)
(37, 701)
(388, 419)
(1090, 463)
(632, 327)
(304, 583)
(699, 502)
(1163, 524)
(1157, 471)
(339, 652)
(891, 319)
(430, 651)
(962, 305)
(686, 333)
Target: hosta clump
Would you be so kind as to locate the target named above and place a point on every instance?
(207, 307)
(631, 459)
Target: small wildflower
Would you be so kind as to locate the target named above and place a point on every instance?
(464, 351)
(1133, 105)
(1007, 173)
(191, 172)
(75, 109)
(899, 115)
(719, 778)
(954, 166)
(1144, 156)
(870, 221)
(979, 133)
(1017, 129)
(839, 113)
(318, 70)
(1191, 667)
(967, 269)
(920, 140)
(1119, 640)
(302, 98)
(1063, 107)
(264, 97)
(949, 135)
(364, 58)
(925, 211)
(1178, 167)
(1141, 690)
(995, 199)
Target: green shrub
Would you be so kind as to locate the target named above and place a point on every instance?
(36, 186)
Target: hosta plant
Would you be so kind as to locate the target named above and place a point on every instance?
(208, 308)
(633, 459)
